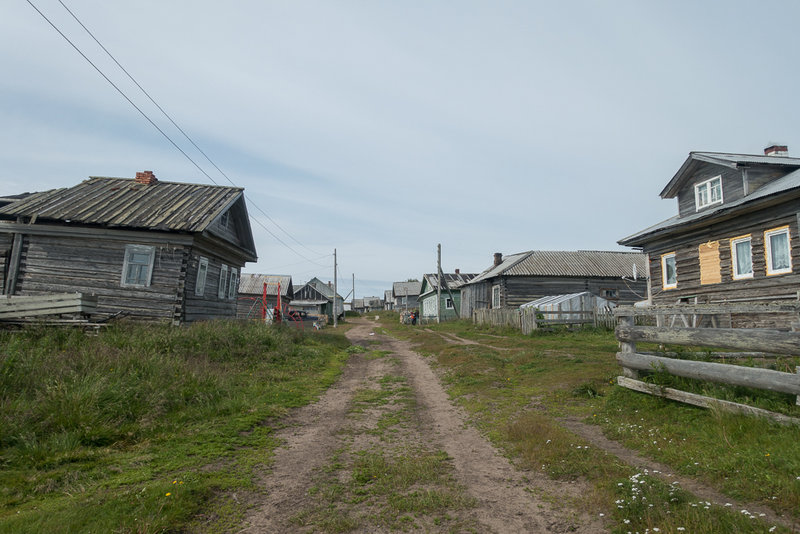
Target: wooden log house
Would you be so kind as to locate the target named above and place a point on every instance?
(735, 237)
(158, 251)
(510, 282)
(251, 294)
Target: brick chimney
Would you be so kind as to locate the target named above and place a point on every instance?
(145, 177)
(498, 258)
(776, 150)
(458, 271)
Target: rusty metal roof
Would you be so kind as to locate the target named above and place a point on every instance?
(123, 203)
(253, 284)
(580, 263)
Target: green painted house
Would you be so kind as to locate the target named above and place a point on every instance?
(449, 301)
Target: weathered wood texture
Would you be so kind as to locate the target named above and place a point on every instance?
(17, 307)
(528, 319)
(723, 373)
(474, 297)
(732, 186)
(701, 401)
(5, 257)
(758, 340)
(208, 305)
(747, 339)
(760, 287)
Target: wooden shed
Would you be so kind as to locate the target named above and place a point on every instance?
(735, 237)
(162, 251)
(317, 298)
(510, 282)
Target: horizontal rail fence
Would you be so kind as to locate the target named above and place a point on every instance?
(529, 319)
(755, 341)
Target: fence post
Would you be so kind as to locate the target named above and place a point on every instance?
(628, 346)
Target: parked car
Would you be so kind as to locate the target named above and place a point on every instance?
(298, 315)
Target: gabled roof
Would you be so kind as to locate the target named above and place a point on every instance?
(732, 161)
(123, 203)
(430, 282)
(580, 263)
(404, 289)
(253, 284)
(322, 287)
(126, 204)
(781, 186)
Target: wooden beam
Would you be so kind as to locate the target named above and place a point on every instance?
(702, 401)
(708, 309)
(745, 339)
(715, 372)
(13, 268)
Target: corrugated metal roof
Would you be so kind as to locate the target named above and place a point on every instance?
(580, 263)
(781, 185)
(254, 284)
(123, 203)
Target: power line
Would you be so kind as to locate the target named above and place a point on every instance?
(122, 93)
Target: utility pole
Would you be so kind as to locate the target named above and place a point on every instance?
(353, 302)
(335, 311)
(439, 283)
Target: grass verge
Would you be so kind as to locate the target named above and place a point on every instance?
(147, 428)
(518, 389)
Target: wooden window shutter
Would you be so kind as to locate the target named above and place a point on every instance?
(710, 272)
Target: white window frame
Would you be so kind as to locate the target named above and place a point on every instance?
(202, 274)
(233, 283)
(223, 281)
(768, 249)
(138, 249)
(448, 304)
(735, 264)
(664, 282)
(706, 188)
(495, 296)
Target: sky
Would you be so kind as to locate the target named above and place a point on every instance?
(381, 129)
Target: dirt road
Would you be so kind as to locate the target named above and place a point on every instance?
(385, 450)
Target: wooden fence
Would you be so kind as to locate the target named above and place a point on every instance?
(529, 319)
(760, 341)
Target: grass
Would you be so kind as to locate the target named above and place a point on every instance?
(147, 428)
(517, 389)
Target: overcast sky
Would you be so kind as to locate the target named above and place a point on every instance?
(383, 128)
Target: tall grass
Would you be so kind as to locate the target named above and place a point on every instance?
(109, 422)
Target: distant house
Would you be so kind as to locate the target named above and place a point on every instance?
(619, 277)
(405, 295)
(735, 237)
(155, 250)
(388, 300)
(251, 294)
(317, 298)
(367, 304)
(449, 301)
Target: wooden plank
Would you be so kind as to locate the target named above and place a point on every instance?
(702, 401)
(714, 372)
(746, 339)
(708, 309)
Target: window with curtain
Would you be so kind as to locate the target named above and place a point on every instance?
(778, 251)
(669, 272)
(741, 258)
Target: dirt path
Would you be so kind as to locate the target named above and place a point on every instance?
(385, 450)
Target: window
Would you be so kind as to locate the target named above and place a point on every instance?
(223, 282)
(778, 250)
(233, 284)
(610, 293)
(741, 258)
(202, 272)
(496, 297)
(449, 304)
(708, 193)
(138, 266)
(669, 272)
